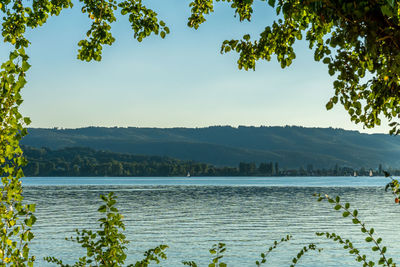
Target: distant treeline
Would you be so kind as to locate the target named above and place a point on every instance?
(78, 161)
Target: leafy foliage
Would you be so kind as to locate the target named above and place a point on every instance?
(295, 259)
(303, 251)
(394, 185)
(107, 246)
(16, 217)
(347, 245)
(271, 248)
(358, 40)
(377, 245)
(144, 22)
(216, 251)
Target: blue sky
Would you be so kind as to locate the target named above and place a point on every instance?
(181, 81)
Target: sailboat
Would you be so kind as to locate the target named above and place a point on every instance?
(188, 174)
(371, 173)
(355, 174)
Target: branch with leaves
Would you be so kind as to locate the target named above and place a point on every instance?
(271, 248)
(358, 40)
(347, 245)
(107, 246)
(216, 251)
(303, 251)
(370, 232)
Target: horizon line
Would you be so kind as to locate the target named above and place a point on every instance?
(201, 127)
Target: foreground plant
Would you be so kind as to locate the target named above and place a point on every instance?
(107, 246)
(394, 185)
(16, 220)
(296, 259)
(370, 238)
(16, 216)
(219, 248)
(217, 251)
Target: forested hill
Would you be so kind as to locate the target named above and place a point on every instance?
(227, 146)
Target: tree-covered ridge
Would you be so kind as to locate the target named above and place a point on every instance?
(81, 161)
(292, 147)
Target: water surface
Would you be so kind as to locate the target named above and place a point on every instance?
(191, 214)
(327, 181)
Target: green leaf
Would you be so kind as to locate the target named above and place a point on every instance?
(329, 105)
(326, 60)
(25, 66)
(271, 3)
(386, 10)
(102, 208)
(27, 120)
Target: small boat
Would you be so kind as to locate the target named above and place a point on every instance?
(371, 173)
(188, 174)
(355, 174)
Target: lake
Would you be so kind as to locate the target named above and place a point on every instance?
(192, 214)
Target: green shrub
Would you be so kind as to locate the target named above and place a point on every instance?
(107, 246)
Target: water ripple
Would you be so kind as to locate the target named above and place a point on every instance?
(190, 219)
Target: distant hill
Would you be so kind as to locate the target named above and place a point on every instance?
(227, 146)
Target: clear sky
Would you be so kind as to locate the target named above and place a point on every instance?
(181, 81)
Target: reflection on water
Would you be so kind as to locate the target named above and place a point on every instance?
(190, 219)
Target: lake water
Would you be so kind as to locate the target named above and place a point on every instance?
(192, 214)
